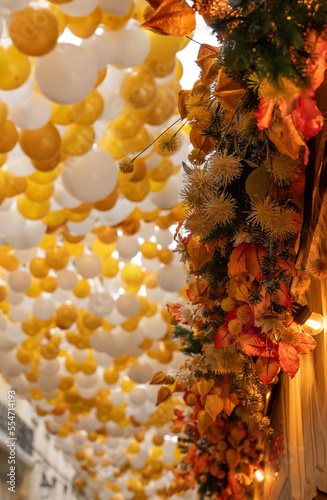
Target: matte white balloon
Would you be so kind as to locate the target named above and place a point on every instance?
(91, 177)
(128, 304)
(132, 46)
(127, 246)
(154, 327)
(19, 280)
(33, 113)
(100, 48)
(67, 74)
(30, 235)
(137, 396)
(171, 278)
(101, 303)
(78, 8)
(114, 7)
(88, 265)
(15, 298)
(44, 308)
(19, 313)
(167, 197)
(67, 279)
(14, 4)
(141, 373)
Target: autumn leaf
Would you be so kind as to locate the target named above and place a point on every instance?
(172, 17)
(182, 98)
(223, 337)
(199, 253)
(267, 369)
(214, 405)
(228, 92)
(232, 458)
(164, 393)
(229, 405)
(305, 343)
(154, 3)
(158, 378)
(238, 432)
(198, 141)
(253, 345)
(244, 261)
(205, 386)
(207, 52)
(204, 422)
(289, 359)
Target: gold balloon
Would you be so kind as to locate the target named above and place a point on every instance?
(8, 136)
(77, 140)
(14, 68)
(33, 31)
(92, 109)
(57, 257)
(84, 26)
(40, 144)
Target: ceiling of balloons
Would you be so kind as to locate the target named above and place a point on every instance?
(86, 251)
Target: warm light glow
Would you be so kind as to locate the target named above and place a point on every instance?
(259, 476)
(316, 325)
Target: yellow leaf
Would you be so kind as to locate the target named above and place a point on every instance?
(205, 386)
(204, 422)
(163, 394)
(232, 457)
(214, 405)
(172, 17)
(158, 378)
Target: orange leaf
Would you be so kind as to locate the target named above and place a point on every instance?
(199, 253)
(204, 422)
(154, 3)
(223, 337)
(289, 359)
(267, 369)
(172, 17)
(182, 97)
(158, 378)
(305, 343)
(228, 405)
(163, 394)
(205, 386)
(199, 142)
(207, 52)
(214, 405)
(228, 92)
(232, 457)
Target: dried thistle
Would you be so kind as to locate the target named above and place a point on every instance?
(168, 142)
(126, 165)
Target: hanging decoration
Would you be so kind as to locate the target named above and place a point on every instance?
(253, 118)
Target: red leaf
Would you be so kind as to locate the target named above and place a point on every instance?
(253, 345)
(267, 369)
(223, 337)
(237, 262)
(305, 343)
(289, 359)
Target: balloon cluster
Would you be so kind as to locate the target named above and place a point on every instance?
(86, 255)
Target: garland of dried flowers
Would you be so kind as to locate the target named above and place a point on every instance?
(250, 120)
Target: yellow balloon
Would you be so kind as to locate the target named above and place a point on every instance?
(31, 209)
(135, 191)
(127, 125)
(48, 284)
(48, 241)
(165, 255)
(35, 289)
(55, 219)
(162, 172)
(66, 382)
(92, 110)
(118, 148)
(138, 88)
(24, 356)
(84, 26)
(89, 366)
(40, 144)
(14, 68)
(140, 141)
(111, 375)
(8, 136)
(33, 31)
(45, 177)
(66, 315)
(82, 289)
(50, 351)
(116, 22)
(38, 192)
(57, 257)
(10, 185)
(110, 267)
(3, 113)
(71, 365)
(132, 274)
(149, 249)
(65, 114)
(77, 139)
(161, 109)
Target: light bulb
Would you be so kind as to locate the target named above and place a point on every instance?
(314, 324)
(259, 475)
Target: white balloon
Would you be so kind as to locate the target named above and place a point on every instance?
(18, 95)
(6, 344)
(67, 279)
(164, 237)
(80, 355)
(20, 384)
(63, 198)
(88, 265)
(49, 366)
(87, 381)
(171, 278)
(91, 177)
(132, 46)
(134, 351)
(33, 113)
(19, 280)
(137, 396)
(48, 382)
(30, 235)
(67, 74)
(15, 298)
(155, 294)
(167, 197)
(154, 327)
(128, 305)
(112, 105)
(122, 209)
(136, 461)
(101, 303)
(102, 358)
(11, 222)
(19, 313)
(117, 398)
(99, 47)
(152, 393)
(115, 318)
(14, 4)
(136, 337)
(78, 8)
(99, 340)
(44, 308)
(127, 247)
(141, 373)
(114, 7)
(14, 332)
(25, 255)
(9, 364)
(20, 166)
(153, 160)
(116, 345)
(83, 227)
